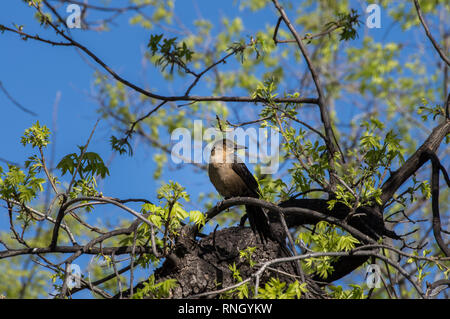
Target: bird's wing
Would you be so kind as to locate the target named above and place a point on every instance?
(243, 172)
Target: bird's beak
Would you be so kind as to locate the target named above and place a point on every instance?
(239, 147)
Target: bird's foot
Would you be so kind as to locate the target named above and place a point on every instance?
(220, 203)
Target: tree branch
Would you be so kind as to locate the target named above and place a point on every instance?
(145, 92)
(416, 161)
(329, 134)
(427, 31)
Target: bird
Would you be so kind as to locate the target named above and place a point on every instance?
(231, 178)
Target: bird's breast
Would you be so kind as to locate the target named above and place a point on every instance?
(225, 180)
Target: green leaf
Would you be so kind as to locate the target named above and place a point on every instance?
(37, 136)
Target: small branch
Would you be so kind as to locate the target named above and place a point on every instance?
(50, 179)
(265, 265)
(427, 31)
(296, 154)
(41, 215)
(222, 60)
(131, 130)
(14, 101)
(91, 244)
(26, 36)
(219, 123)
(150, 94)
(119, 282)
(80, 159)
(291, 243)
(82, 222)
(121, 250)
(101, 281)
(249, 122)
(65, 206)
(286, 114)
(133, 254)
(167, 225)
(306, 37)
(329, 134)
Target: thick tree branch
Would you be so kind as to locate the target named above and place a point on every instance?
(416, 161)
(436, 167)
(293, 212)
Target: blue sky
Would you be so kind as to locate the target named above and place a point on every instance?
(33, 73)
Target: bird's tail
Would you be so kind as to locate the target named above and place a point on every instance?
(259, 222)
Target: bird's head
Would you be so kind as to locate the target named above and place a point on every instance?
(225, 149)
(226, 145)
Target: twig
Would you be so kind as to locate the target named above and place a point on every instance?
(72, 42)
(306, 37)
(50, 179)
(131, 130)
(427, 31)
(263, 267)
(14, 101)
(80, 159)
(66, 205)
(329, 134)
(119, 282)
(222, 60)
(133, 252)
(296, 154)
(34, 37)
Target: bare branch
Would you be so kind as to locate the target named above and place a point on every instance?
(427, 31)
(20, 106)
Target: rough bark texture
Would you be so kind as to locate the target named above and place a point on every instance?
(203, 265)
(206, 267)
